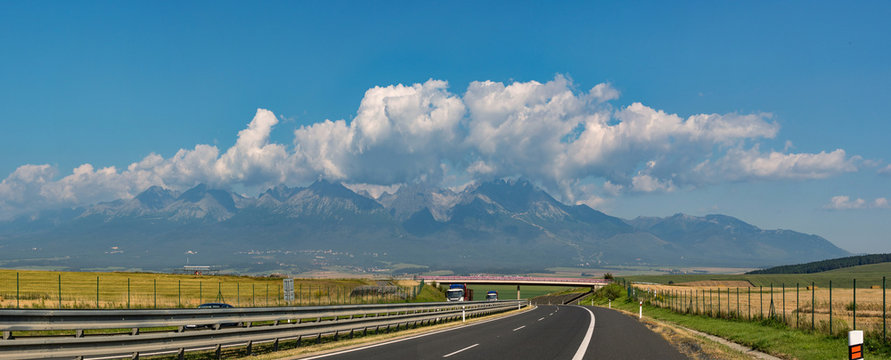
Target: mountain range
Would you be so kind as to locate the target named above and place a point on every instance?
(497, 226)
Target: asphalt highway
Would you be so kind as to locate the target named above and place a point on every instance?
(547, 332)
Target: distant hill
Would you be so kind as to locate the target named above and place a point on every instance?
(498, 226)
(826, 265)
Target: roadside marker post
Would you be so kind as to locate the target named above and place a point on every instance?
(463, 313)
(610, 303)
(640, 311)
(855, 344)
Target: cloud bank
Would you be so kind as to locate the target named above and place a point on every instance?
(575, 144)
(846, 203)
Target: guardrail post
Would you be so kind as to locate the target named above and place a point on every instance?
(7, 335)
(79, 333)
(181, 354)
(275, 345)
(218, 352)
(134, 331)
(250, 348)
(135, 356)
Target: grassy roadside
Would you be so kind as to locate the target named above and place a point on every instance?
(773, 338)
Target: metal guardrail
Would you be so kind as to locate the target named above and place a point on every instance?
(285, 324)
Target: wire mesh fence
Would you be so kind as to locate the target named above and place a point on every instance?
(73, 290)
(832, 310)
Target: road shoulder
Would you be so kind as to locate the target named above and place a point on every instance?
(699, 345)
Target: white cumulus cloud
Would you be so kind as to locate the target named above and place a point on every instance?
(842, 202)
(549, 132)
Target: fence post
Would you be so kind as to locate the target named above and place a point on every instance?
(179, 293)
(60, 291)
(237, 294)
(749, 302)
(884, 331)
(797, 308)
(784, 303)
(813, 303)
(830, 307)
(200, 293)
(17, 290)
(253, 295)
(155, 292)
(855, 305)
(761, 301)
(737, 303)
(267, 294)
(97, 292)
(128, 293)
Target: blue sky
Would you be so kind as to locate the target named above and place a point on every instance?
(111, 83)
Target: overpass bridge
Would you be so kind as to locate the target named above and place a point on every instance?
(594, 284)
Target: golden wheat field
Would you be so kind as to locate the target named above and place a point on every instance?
(794, 306)
(46, 289)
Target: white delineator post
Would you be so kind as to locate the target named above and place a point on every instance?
(463, 313)
(610, 303)
(640, 311)
(518, 296)
(855, 344)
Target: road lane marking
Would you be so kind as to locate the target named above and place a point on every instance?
(360, 348)
(519, 327)
(540, 319)
(467, 348)
(580, 353)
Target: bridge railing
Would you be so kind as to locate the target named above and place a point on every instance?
(515, 278)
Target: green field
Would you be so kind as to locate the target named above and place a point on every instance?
(509, 292)
(866, 275)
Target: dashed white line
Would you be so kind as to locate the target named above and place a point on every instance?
(519, 327)
(467, 348)
(540, 319)
(374, 345)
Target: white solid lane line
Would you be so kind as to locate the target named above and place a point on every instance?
(580, 353)
(519, 327)
(467, 348)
